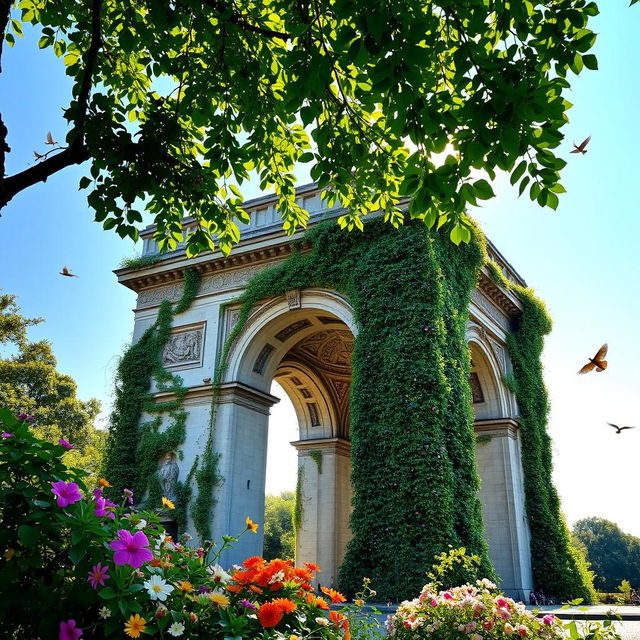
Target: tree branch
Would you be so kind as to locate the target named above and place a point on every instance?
(77, 152)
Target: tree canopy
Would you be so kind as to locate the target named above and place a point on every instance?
(177, 104)
(613, 555)
(279, 537)
(30, 384)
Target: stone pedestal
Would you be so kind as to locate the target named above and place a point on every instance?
(502, 497)
(325, 493)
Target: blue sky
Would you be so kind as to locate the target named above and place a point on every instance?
(583, 260)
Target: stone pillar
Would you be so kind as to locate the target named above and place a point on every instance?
(241, 434)
(325, 492)
(502, 497)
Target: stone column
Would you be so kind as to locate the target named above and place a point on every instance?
(325, 492)
(502, 497)
(241, 434)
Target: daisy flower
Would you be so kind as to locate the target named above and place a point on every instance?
(158, 588)
(176, 629)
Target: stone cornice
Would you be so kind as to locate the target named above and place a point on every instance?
(497, 427)
(341, 446)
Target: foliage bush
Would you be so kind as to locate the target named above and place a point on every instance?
(79, 564)
(279, 537)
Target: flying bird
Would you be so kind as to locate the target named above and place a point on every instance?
(618, 429)
(50, 139)
(597, 361)
(65, 272)
(37, 155)
(582, 147)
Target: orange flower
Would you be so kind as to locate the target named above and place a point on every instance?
(336, 596)
(287, 606)
(252, 525)
(269, 614)
(338, 619)
(234, 588)
(244, 577)
(314, 601)
(303, 575)
(254, 562)
(255, 589)
(312, 567)
(184, 586)
(135, 626)
(103, 482)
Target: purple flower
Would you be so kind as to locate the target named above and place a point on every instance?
(66, 493)
(97, 492)
(6, 434)
(66, 445)
(98, 575)
(104, 507)
(129, 494)
(549, 619)
(204, 589)
(68, 631)
(247, 604)
(131, 549)
(26, 417)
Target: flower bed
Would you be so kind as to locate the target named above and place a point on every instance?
(92, 568)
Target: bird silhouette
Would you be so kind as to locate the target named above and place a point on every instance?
(50, 139)
(582, 147)
(65, 272)
(618, 429)
(596, 362)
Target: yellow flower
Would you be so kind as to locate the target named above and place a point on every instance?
(185, 586)
(359, 602)
(252, 525)
(292, 637)
(135, 626)
(167, 503)
(219, 598)
(103, 482)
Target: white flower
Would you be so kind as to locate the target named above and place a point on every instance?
(158, 588)
(142, 524)
(322, 621)
(277, 577)
(218, 574)
(105, 613)
(176, 629)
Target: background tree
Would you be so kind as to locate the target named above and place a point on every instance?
(176, 104)
(30, 384)
(279, 537)
(614, 555)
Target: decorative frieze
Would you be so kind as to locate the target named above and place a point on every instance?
(184, 347)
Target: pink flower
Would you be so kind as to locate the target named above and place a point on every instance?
(129, 494)
(104, 508)
(131, 549)
(522, 631)
(433, 603)
(504, 614)
(67, 445)
(488, 624)
(68, 631)
(447, 596)
(501, 602)
(6, 434)
(549, 619)
(66, 493)
(98, 575)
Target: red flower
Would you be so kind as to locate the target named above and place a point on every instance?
(269, 614)
(312, 567)
(254, 562)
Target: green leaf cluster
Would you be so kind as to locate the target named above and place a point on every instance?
(177, 106)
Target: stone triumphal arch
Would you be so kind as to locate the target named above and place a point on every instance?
(304, 340)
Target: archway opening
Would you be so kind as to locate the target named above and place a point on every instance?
(306, 351)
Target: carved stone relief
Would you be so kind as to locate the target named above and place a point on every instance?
(262, 358)
(500, 354)
(477, 394)
(490, 309)
(294, 299)
(168, 474)
(292, 329)
(184, 347)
